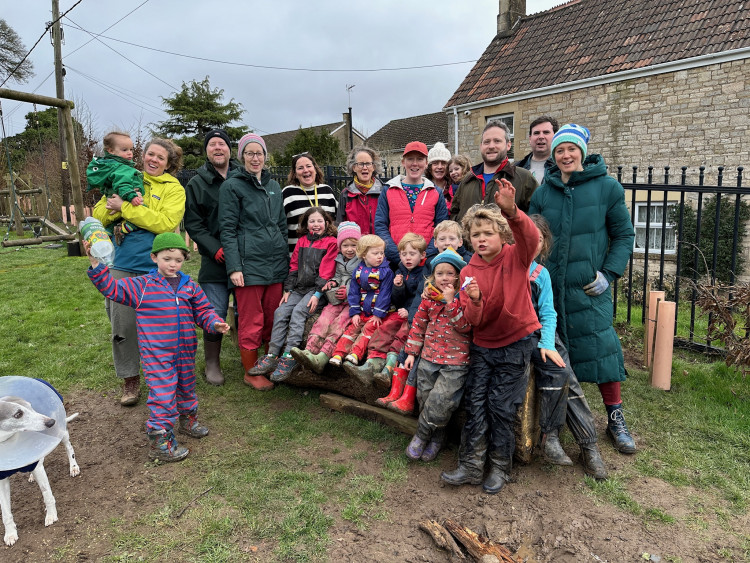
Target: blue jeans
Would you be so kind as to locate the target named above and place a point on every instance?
(218, 296)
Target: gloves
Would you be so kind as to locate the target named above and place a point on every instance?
(219, 256)
(598, 286)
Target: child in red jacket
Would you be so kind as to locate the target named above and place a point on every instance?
(497, 304)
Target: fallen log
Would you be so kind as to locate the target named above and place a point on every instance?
(402, 423)
(442, 539)
(478, 546)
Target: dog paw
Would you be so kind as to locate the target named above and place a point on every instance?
(75, 470)
(51, 516)
(11, 536)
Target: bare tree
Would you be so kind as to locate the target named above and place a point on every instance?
(12, 51)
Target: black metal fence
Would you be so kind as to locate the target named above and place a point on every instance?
(661, 208)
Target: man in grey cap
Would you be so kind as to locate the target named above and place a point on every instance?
(202, 224)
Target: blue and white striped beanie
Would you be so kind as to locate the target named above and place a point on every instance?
(572, 133)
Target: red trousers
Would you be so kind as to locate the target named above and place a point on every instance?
(367, 336)
(256, 305)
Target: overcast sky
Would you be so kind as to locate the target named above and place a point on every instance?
(338, 35)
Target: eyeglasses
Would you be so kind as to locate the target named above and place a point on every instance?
(363, 164)
(306, 153)
(253, 155)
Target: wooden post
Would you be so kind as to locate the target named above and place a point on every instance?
(75, 175)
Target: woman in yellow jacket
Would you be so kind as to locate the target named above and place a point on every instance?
(162, 211)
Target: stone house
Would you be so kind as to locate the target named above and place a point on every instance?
(658, 84)
(391, 139)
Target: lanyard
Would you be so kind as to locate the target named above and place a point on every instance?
(316, 196)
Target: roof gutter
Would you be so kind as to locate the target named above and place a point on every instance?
(630, 74)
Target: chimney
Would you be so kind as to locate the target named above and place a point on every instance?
(510, 11)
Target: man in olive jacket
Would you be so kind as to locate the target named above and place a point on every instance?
(202, 224)
(479, 185)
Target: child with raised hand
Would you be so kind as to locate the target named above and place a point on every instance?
(556, 382)
(497, 304)
(369, 300)
(168, 305)
(114, 173)
(334, 319)
(440, 334)
(389, 339)
(311, 270)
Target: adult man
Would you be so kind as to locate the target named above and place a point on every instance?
(539, 160)
(480, 186)
(202, 224)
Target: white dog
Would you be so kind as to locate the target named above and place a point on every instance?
(17, 415)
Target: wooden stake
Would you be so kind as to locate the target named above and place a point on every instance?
(478, 546)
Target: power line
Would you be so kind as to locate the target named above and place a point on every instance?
(385, 69)
(46, 29)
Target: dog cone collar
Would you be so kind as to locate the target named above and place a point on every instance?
(24, 448)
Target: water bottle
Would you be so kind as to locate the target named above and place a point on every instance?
(101, 245)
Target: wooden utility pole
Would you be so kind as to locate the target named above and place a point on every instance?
(60, 91)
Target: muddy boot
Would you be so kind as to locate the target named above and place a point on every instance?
(212, 351)
(131, 391)
(265, 365)
(499, 474)
(462, 475)
(283, 369)
(618, 431)
(164, 447)
(404, 405)
(364, 373)
(258, 382)
(315, 362)
(188, 424)
(553, 451)
(397, 387)
(592, 462)
(415, 448)
(384, 376)
(432, 449)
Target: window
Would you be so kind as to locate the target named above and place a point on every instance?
(508, 119)
(656, 213)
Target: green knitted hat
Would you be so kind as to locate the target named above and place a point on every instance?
(167, 241)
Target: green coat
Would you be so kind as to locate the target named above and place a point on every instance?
(253, 228)
(202, 220)
(112, 174)
(592, 231)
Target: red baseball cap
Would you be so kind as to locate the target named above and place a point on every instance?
(415, 146)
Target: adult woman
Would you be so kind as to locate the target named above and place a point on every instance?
(437, 170)
(593, 241)
(358, 201)
(253, 235)
(305, 189)
(162, 210)
(458, 167)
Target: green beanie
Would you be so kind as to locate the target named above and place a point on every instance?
(166, 241)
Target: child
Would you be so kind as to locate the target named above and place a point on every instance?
(166, 339)
(332, 322)
(555, 380)
(497, 304)
(313, 264)
(115, 173)
(389, 339)
(441, 334)
(447, 234)
(369, 299)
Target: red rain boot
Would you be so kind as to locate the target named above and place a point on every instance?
(397, 386)
(405, 405)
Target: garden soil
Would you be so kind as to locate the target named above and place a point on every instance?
(545, 513)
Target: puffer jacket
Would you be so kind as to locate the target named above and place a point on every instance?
(112, 174)
(313, 263)
(202, 220)
(253, 228)
(359, 207)
(592, 231)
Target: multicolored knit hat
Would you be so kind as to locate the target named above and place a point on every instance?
(348, 229)
(167, 241)
(448, 256)
(250, 138)
(572, 133)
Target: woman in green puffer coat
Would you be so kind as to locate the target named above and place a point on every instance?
(593, 243)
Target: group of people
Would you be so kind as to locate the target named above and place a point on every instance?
(436, 284)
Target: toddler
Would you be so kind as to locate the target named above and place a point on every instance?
(166, 339)
(334, 319)
(312, 265)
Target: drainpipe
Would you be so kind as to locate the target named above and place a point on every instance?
(455, 130)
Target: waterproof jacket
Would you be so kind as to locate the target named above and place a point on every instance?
(464, 252)
(370, 290)
(472, 186)
(313, 263)
(359, 207)
(112, 174)
(592, 231)
(202, 220)
(161, 212)
(440, 333)
(253, 228)
(395, 218)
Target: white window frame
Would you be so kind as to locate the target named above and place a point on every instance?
(509, 119)
(639, 223)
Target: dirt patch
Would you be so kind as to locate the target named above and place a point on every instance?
(545, 514)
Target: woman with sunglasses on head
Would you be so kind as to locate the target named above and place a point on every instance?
(358, 202)
(305, 189)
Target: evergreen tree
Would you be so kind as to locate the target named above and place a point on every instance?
(12, 51)
(324, 148)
